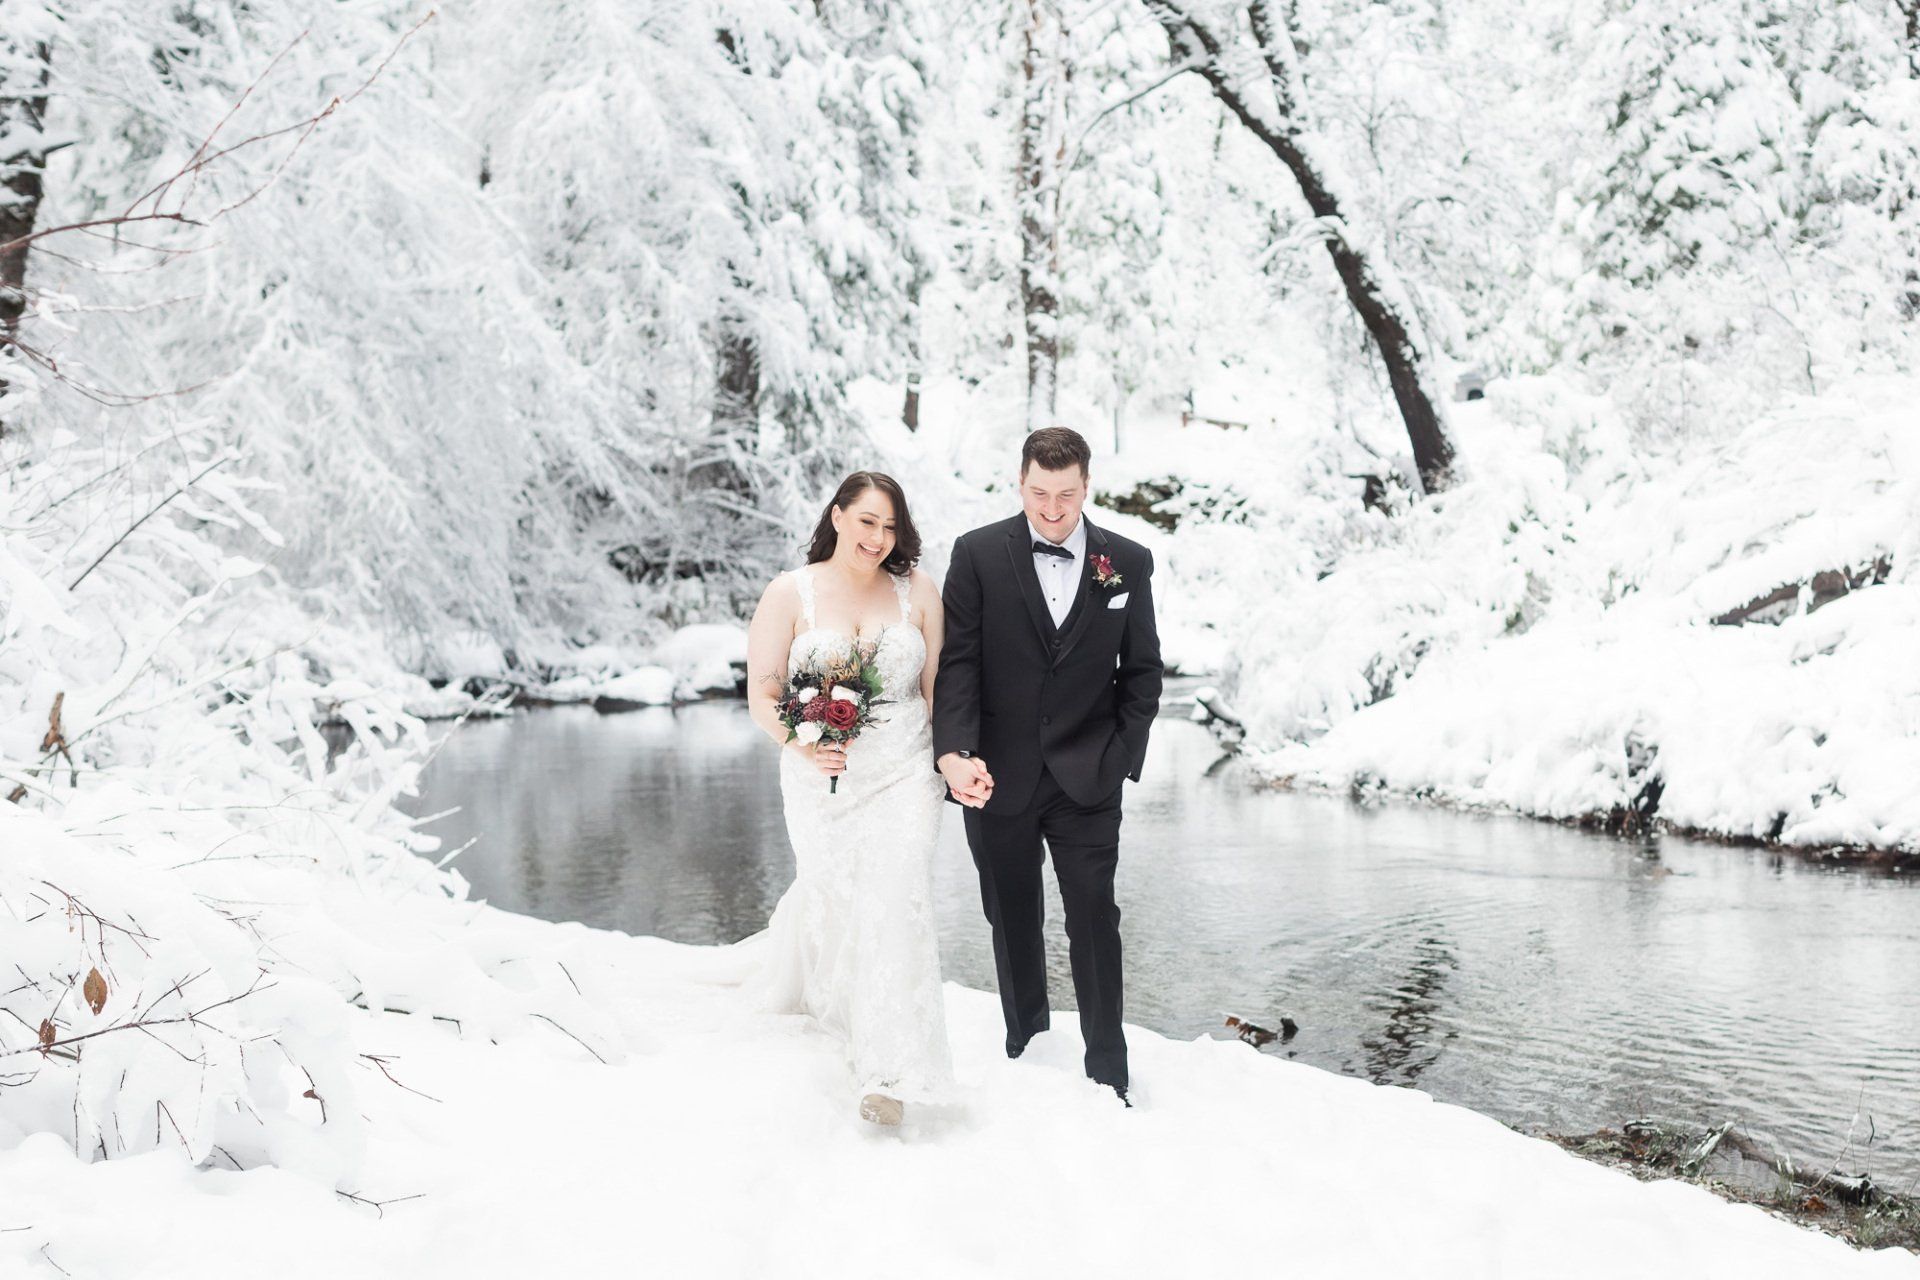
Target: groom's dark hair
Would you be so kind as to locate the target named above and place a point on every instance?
(1055, 449)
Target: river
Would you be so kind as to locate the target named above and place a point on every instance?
(1548, 977)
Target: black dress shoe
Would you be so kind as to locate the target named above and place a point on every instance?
(1017, 1045)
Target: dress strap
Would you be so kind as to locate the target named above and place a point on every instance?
(902, 588)
(803, 580)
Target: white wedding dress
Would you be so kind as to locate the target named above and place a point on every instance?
(852, 942)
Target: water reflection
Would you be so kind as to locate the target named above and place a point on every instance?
(1413, 1039)
(651, 822)
(1545, 976)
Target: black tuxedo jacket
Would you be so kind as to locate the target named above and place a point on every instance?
(1018, 692)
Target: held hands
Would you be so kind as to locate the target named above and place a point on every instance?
(967, 778)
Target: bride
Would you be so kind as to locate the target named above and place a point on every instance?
(852, 942)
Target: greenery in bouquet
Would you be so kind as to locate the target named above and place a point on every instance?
(833, 702)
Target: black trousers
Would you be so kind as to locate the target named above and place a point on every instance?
(1085, 844)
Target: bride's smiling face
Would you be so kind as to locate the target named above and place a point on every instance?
(863, 531)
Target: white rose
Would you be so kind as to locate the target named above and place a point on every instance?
(808, 733)
(841, 691)
(807, 695)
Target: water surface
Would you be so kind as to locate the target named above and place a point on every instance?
(1548, 977)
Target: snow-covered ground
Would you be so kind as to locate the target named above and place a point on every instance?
(1543, 637)
(714, 1143)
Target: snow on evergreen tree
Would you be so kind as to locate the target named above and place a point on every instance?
(1746, 226)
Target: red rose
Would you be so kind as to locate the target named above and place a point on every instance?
(841, 714)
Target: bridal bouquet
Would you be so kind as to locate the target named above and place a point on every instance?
(833, 702)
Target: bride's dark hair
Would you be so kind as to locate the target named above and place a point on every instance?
(906, 538)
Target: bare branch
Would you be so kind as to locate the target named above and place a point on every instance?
(1080, 143)
(217, 462)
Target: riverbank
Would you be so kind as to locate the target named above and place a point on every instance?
(1708, 636)
(1872, 859)
(211, 909)
(1723, 1160)
(656, 1130)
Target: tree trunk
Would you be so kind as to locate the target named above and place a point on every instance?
(1282, 128)
(916, 358)
(1910, 9)
(1042, 143)
(23, 163)
(736, 395)
(736, 414)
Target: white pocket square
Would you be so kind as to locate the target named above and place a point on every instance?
(1119, 601)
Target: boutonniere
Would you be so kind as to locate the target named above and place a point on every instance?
(1103, 572)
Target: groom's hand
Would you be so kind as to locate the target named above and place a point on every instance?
(967, 778)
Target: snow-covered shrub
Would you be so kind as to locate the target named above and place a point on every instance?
(174, 822)
(157, 747)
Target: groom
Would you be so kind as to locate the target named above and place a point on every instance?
(1048, 683)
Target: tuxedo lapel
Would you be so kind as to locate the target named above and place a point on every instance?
(1020, 551)
(1082, 616)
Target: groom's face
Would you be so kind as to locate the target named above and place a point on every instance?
(1052, 499)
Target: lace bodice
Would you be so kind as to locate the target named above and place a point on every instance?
(901, 655)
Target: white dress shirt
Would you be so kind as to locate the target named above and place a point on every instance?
(1060, 578)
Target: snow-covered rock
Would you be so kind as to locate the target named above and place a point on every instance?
(469, 653)
(704, 657)
(641, 687)
(579, 688)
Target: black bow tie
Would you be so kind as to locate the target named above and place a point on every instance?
(1049, 549)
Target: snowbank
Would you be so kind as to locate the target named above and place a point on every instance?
(694, 662)
(1544, 636)
(254, 993)
(641, 687)
(718, 1144)
(194, 878)
(704, 657)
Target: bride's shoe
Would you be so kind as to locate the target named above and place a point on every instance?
(880, 1109)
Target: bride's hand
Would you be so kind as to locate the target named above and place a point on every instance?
(829, 758)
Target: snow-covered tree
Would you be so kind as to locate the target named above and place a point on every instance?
(1746, 223)
(724, 202)
(1045, 85)
(1258, 81)
(25, 47)
(537, 326)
